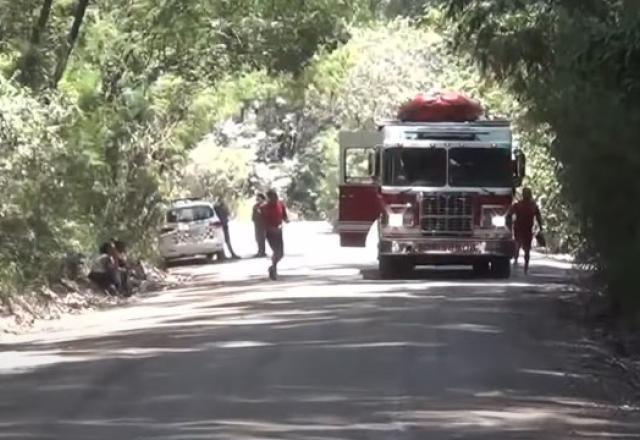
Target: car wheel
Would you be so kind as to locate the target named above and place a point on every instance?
(220, 256)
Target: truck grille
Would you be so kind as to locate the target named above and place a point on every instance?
(445, 215)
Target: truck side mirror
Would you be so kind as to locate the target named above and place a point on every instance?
(373, 165)
(520, 167)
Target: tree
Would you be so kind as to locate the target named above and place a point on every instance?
(574, 65)
(70, 42)
(113, 95)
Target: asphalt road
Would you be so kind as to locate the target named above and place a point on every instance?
(326, 352)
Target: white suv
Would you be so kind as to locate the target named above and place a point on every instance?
(191, 229)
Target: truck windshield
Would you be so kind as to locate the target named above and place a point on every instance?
(415, 167)
(488, 167)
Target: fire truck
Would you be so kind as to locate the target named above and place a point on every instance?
(436, 192)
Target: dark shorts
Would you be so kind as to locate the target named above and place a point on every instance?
(524, 239)
(276, 243)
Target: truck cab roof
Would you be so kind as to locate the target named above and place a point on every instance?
(418, 133)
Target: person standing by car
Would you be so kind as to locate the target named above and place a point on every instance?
(526, 210)
(274, 213)
(258, 224)
(222, 211)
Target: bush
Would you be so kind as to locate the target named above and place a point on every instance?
(215, 172)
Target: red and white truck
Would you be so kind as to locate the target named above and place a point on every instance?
(436, 191)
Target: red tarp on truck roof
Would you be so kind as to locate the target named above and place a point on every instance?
(440, 107)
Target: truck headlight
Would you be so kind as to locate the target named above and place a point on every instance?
(398, 216)
(493, 218)
(498, 221)
(395, 220)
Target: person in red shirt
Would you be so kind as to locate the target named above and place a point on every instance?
(274, 213)
(526, 210)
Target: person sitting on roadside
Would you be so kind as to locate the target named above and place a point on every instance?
(258, 225)
(104, 270)
(123, 266)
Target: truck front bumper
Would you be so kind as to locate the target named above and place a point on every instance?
(446, 250)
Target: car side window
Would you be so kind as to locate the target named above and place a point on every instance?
(202, 213)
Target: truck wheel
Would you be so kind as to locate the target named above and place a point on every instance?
(481, 268)
(501, 268)
(394, 268)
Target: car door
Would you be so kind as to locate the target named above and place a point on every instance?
(201, 222)
(358, 205)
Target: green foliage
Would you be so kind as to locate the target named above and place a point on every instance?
(574, 64)
(32, 161)
(161, 98)
(95, 154)
(314, 185)
(215, 172)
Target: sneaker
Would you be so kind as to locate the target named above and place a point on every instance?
(272, 273)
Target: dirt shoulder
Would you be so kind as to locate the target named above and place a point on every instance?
(20, 313)
(617, 343)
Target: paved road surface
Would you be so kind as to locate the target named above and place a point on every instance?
(327, 352)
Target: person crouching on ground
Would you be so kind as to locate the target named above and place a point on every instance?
(104, 270)
(274, 213)
(526, 210)
(258, 224)
(123, 266)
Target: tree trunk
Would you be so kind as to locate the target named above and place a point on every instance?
(72, 37)
(29, 61)
(40, 26)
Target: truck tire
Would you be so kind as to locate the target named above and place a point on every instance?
(393, 268)
(481, 268)
(501, 268)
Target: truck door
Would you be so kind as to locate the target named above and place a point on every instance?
(358, 205)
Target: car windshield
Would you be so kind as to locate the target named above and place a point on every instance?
(488, 167)
(189, 214)
(415, 167)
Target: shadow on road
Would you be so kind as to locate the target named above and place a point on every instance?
(324, 355)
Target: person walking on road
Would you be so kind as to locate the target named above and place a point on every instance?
(525, 211)
(258, 225)
(274, 213)
(222, 211)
